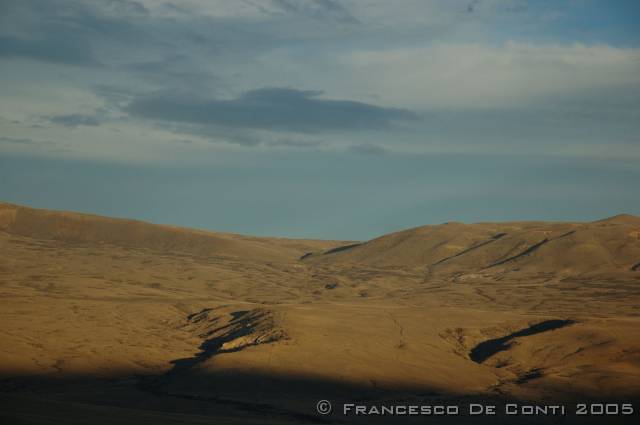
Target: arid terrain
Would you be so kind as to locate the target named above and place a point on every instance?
(119, 321)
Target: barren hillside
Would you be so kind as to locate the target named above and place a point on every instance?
(538, 250)
(70, 227)
(124, 321)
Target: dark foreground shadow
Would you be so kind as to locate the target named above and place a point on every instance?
(252, 398)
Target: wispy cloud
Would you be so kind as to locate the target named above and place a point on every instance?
(455, 75)
(438, 75)
(61, 50)
(77, 120)
(317, 9)
(367, 149)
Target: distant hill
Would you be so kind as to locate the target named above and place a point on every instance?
(536, 250)
(497, 250)
(71, 227)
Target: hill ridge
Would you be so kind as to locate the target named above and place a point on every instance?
(541, 250)
(68, 226)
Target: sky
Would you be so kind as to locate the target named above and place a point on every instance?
(321, 118)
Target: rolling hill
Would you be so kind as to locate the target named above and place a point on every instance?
(108, 320)
(71, 227)
(609, 247)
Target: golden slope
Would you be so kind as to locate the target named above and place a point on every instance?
(71, 227)
(608, 247)
(135, 321)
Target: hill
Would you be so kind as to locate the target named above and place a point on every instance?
(72, 227)
(490, 250)
(107, 320)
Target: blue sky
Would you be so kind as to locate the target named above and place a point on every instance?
(321, 118)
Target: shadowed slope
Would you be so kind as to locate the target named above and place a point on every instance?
(486, 349)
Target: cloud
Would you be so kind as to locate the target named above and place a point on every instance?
(471, 7)
(368, 149)
(22, 144)
(64, 32)
(317, 9)
(77, 120)
(18, 141)
(62, 50)
(457, 75)
(510, 76)
(295, 143)
(276, 109)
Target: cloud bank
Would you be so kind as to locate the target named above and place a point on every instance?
(481, 76)
(276, 109)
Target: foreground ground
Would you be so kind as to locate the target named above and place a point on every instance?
(108, 321)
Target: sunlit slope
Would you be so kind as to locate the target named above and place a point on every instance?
(71, 227)
(533, 249)
(120, 314)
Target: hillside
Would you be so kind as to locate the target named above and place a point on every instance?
(71, 227)
(119, 321)
(507, 250)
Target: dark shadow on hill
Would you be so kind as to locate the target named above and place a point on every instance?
(331, 251)
(533, 248)
(341, 248)
(486, 349)
(472, 248)
(242, 324)
(524, 253)
(226, 332)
